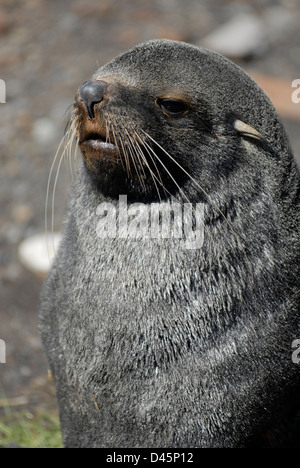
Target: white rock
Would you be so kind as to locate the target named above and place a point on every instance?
(242, 36)
(37, 252)
(44, 131)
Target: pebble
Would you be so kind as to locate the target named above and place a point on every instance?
(45, 131)
(240, 37)
(4, 21)
(249, 35)
(37, 252)
(22, 213)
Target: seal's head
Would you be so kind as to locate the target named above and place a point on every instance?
(166, 114)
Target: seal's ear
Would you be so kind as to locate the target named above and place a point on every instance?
(247, 131)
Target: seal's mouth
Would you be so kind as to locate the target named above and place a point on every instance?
(96, 145)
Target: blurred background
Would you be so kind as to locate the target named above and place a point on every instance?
(47, 49)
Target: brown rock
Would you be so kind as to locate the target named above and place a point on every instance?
(4, 21)
(22, 213)
(173, 34)
(102, 9)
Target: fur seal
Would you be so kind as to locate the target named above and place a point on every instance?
(156, 345)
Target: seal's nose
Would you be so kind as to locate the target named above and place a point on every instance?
(91, 93)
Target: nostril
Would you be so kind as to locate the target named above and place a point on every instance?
(91, 93)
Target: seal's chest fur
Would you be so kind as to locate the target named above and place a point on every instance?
(176, 341)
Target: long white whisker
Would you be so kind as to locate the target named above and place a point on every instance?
(65, 140)
(145, 162)
(109, 129)
(135, 157)
(174, 160)
(69, 151)
(119, 138)
(168, 172)
(54, 190)
(75, 159)
(154, 177)
(208, 197)
(50, 176)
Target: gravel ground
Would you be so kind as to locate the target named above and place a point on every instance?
(47, 49)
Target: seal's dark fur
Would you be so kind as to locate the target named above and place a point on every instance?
(153, 345)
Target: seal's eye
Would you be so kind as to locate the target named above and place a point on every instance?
(173, 107)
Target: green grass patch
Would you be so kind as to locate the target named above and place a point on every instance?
(28, 430)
